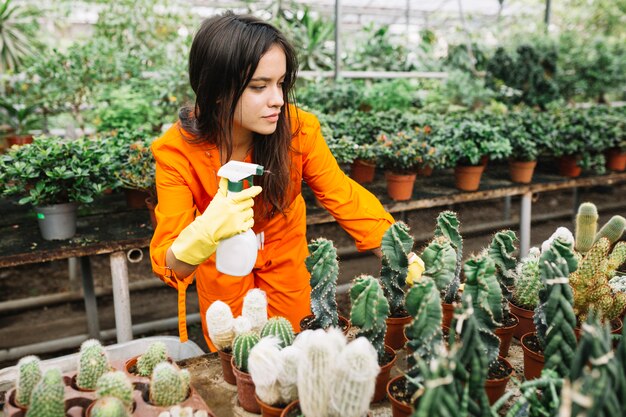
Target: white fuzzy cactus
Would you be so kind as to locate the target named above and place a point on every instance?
(264, 366)
(288, 375)
(242, 325)
(562, 232)
(353, 379)
(219, 322)
(255, 308)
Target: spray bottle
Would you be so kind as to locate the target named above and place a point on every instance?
(236, 255)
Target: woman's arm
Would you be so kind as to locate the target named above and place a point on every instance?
(180, 268)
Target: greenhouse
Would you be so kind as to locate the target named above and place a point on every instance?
(329, 208)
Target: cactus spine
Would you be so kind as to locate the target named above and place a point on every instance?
(440, 261)
(92, 364)
(369, 311)
(168, 385)
(255, 309)
(396, 245)
(281, 328)
(219, 322)
(115, 384)
(47, 397)
(448, 226)
(29, 375)
(323, 266)
(586, 226)
(613, 229)
(241, 349)
(156, 353)
(264, 364)
(109, 407)
(527, 281)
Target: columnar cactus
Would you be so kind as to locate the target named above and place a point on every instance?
(241, 349)
(448, 226)
(241, 325)
(219, 323)
(109, 407)
(323, 266)
(441, 396)
(353, 380)
(47, 397)
(264, 365)
(281, 328)
(501, 251)
(613, 229)
(29, 375)
(156, 353)
(288, 374)
(527, 281)
(92, 364)
(586, 226)
(440, 261)
(369, 311)
(255, 308)
(115, 384)
(168, 385)
(396, 246)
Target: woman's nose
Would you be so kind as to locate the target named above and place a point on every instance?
(276, 99)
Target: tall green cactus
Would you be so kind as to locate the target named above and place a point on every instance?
(29, 375)
(115, 384)
(156, 353)
(369, 311)
(281, 328)
(440, 262)
(443, 396)
(586, 227)
(501, 252)
(448, 226)
(168, 385)
(396, 246)
(323, 266)
(47, 397)
(241, 349)
(527, 281)
(92, 364)
(109, 407)
(613, 229)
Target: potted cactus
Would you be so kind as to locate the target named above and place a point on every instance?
(47, 397)
(117, 385)
(29, 375)
(107, 407)
(219, 323)
(143, 365)
(525, 294)
(255, 309)
(92, 364)
(280, 328)
(242, 345)
(168, 385)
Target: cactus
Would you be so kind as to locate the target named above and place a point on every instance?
(288, 374)
(219, 323)
(501, 252)
(396, 246)
(620, 357)
(168, 385)
(241, 349)
(47, 397)
(323, 266)
(448, 226)
(527, 281)
(255, 309)
(613, 229)
(440, 261)
(264, 365)
(29, 374)
(618, 283)
(369, 311)
(156, 353)
(353, 380)
(109, 407)
(241, 325)
(586, 226)
(281, 328)
(92, 364)
(115, 384)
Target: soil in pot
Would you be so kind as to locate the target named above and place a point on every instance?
(305, 323)
(396, 392)
(292, 410)
(395, 337)
(533, 356)
(383, 376)
(525, 317)
(500, 372)
(505, 334)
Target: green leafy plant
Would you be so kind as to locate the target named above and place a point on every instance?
(126, 109)
(323, 266)
(139, 170)
(377, 52)
(403, 152)
(21, 117)
(18, 34)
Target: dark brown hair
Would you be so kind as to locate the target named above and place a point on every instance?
(223, 58)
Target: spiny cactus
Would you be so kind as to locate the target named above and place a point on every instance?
(156, 353)
(168, 385)
(264, 365)
(323, 266)
(586, 226)
(115, 384)
(396, 246)
(92, 364)
(618, 283)
(288, 374)
(29, 375)
(241, 325)
(255, 309)
(527, 281)
(501, 252)
(448, 226)
(109, 407)
(241, 349)
(613, 229)
(440, 261)
(219, 323)
(281, 328)
(369, 311)
(47, 397)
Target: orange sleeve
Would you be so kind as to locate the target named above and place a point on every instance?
(357, 210)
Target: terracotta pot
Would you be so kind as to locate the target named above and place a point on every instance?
(615, 159)
(19, 140)
(151, 204)
(616, 328)
(568, 166)
(292, 407)
(525, 317)
(383, 377)
(269, 410)
(425, 171)
(395, 338)
(227, 369)
(533, 361)
(398, 408)
(132, 363)
(344, 324)
(505, 334)
(495, 387)
(522, 171)
(362, 171)
(467, 178)
(135, 199)
(484, 160)
(400, 186)
(448, 312)
(245, 390)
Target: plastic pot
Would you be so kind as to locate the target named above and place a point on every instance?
(57, 221)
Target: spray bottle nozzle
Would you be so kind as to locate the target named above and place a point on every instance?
(236, 172)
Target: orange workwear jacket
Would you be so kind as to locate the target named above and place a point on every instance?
(186, 177)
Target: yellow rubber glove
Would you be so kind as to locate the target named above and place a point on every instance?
(416, 268)
(223, 218)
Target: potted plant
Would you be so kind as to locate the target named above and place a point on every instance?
(616, 138)
(524, 147)
(242, 345)
(525, 293)
(55, 175)
(220, 326)
(22, 118)
(399, 154)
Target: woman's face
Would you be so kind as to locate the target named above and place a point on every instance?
(262, 100)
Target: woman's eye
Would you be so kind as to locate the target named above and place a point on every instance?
(257, 87)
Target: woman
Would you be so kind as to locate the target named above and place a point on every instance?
(242, 71)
